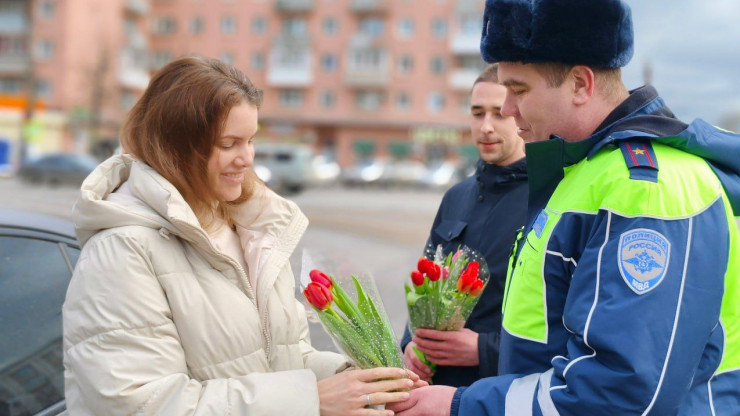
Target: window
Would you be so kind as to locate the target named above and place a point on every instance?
(45, 49)
(228, 25)
(160, 59)
(405, 28)
(259, 25)
(369, 100)
(32, 292)
(367, 59)
(294, 27)
(437, 65)
(196, 25)
(47, 8)
(436, 102)
(257, 61)
(329, 62)
(371, 26)
(165, 25)
(405, 64)
(403, 101)
(327, 99)
(43, 88)
(330, 26)
(439, 28)
(10, 86)
(227, 58)
(13, 45)
(291, 98)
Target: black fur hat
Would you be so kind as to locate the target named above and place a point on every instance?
(597, 33)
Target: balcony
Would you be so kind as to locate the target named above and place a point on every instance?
(369, 6)
(138, 7)
(13, 64)
(290, 62)
(465, 43)
(15, 57)
(367, 63)
(294, 6)
(133, 72)
(462, 79)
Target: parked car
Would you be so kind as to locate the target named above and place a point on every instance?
(37, 256)
(365, 172)
(58, 168)
(284, 167)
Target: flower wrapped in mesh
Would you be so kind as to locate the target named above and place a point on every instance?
(444, 290)
(359, 328)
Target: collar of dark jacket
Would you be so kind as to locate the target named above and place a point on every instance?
(489, 176)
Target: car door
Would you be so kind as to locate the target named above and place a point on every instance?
(35, 269)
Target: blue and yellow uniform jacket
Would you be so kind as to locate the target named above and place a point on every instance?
(624, 295)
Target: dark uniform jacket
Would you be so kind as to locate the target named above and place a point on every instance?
(484, 213)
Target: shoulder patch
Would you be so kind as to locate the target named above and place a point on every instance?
(643, 259)
(640, 158)
(540, 223)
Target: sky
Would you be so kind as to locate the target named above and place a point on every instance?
(693, 47)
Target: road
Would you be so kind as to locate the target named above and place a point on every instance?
(375, 232)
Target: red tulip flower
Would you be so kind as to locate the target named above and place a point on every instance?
(476, 288)
(433, 272)
(445, 272)
(417, 278)
(318, 295)
(424, 265)
(468, 277)
(321, 278)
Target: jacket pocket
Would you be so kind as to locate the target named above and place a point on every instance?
(449, 230)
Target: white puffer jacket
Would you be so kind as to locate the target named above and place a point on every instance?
(159, 321)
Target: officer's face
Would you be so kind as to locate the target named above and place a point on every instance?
(495, 135)
(538, 109)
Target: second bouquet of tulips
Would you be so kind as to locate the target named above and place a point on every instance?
(360, 328)
(444, 290)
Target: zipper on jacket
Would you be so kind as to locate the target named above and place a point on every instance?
(245, 281)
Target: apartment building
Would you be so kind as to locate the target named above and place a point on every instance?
(88, 61)
(356, 79)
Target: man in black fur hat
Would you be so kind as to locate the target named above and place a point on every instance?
(623, 295)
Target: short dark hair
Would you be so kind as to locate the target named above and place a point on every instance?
(609, 79)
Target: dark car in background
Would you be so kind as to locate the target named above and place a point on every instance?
(58, 168)
(37, 256)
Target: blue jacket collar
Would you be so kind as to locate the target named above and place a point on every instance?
(642, 115)
(492, 176)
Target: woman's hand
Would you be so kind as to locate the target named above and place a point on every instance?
(349, 392)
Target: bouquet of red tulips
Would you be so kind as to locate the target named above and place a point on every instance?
(444, 290)
(359, 328)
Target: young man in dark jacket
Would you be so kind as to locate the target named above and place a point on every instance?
(484, 213)
(624, 295)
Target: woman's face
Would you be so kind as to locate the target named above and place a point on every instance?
(233, 152)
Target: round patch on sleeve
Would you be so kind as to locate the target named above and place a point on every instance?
(643, 259)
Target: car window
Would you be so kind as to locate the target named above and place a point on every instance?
(34, 275)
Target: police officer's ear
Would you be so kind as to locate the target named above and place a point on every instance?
(581, 83)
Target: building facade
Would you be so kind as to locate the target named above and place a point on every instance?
(355, 79)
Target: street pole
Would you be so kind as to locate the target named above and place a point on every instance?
(30, 81)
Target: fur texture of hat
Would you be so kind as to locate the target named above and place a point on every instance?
(597, 33)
